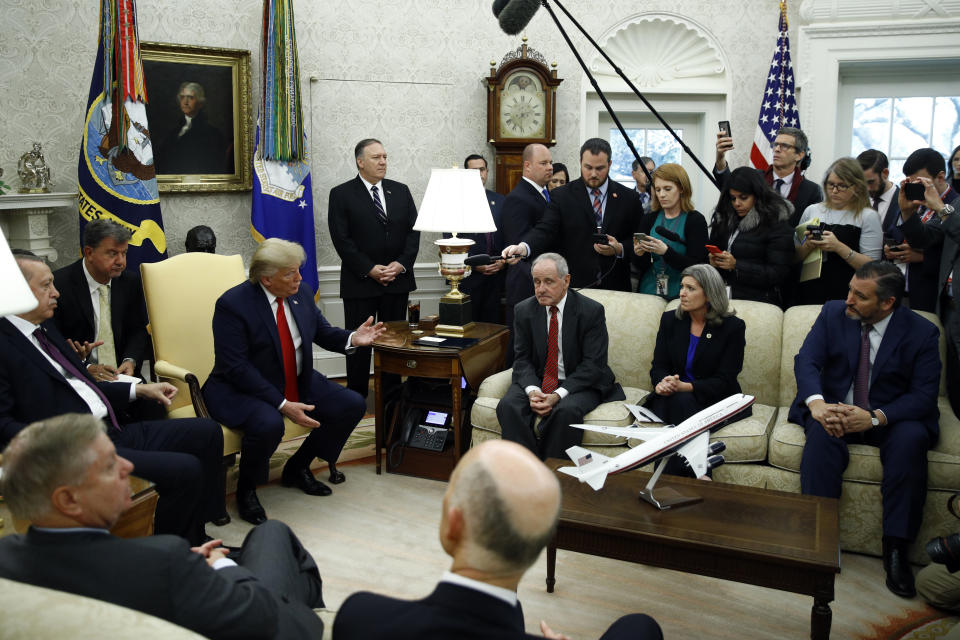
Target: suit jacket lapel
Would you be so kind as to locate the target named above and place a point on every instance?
(82, 287)
(262, 306)
(29, 351)
(586, 202)
(571, 320)
(300, 317)
(851, 337)
(891, 338)
(540, 330)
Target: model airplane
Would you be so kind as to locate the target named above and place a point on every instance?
(690, 439)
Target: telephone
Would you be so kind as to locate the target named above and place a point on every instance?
(425, 429)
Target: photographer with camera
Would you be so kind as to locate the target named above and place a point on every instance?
(939, 582)
(849, 235)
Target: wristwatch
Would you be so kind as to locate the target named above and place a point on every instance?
(946, 211)
(874, 420)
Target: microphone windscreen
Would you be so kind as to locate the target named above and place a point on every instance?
(517, 14)
(669, 235)
(478, 260)
(498, 6)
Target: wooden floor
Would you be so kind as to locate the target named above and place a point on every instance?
(379, 533)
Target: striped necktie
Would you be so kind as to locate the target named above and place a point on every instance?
(597, 208)
(381, 212)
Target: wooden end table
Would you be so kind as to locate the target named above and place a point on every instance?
(768, 538)
(394, 352)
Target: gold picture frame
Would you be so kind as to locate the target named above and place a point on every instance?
(213, 153)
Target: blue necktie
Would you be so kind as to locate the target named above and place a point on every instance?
(381, 212)
(546, 194)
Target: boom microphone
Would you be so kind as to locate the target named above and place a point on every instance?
(670, 235)
(481, 260)
(515, 15)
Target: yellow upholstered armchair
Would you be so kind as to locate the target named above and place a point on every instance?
(181, 293)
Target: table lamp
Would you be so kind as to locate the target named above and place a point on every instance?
(15, 294)
(455, 202)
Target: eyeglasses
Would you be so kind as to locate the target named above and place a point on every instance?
(782, 146)
(839, 187)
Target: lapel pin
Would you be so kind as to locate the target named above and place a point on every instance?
(709, 336)
(389, 192)
(614, 195)
(296, 302)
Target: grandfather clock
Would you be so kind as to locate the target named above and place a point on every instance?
(521, 110)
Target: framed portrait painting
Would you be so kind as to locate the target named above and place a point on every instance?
(199, 115)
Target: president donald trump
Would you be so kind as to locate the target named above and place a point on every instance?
(263, 335)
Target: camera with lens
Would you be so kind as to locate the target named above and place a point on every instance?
(945, 550)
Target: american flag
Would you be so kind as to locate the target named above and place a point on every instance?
(779, 107)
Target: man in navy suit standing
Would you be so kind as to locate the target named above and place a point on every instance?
(371, 225)
(868, 373)
(485, 282)
(263, 335)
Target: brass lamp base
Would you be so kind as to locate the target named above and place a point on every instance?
(456, 308)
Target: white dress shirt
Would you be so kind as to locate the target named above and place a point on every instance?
(508, 596)
(561, 373)
(379, 186)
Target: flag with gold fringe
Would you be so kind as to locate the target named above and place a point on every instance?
(116, 177)
(282, 204)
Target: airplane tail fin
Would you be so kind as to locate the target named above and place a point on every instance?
(589, 467)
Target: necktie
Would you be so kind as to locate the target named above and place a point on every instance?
(777, 185)
(597, 208)
(551, 369)
(381, 212)
(546, 194)
(644, 198)
(876, 203)
(289, 355)
(862, 381)
(107, 352)
(70, 368)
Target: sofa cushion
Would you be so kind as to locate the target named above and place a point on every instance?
(797, 322)
(632, 321)
(746, 439)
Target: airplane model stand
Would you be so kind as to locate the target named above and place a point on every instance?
(667, 497)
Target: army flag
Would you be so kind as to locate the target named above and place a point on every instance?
(282, 204)
(116, 177)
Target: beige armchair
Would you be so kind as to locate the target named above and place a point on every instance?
(181, 293)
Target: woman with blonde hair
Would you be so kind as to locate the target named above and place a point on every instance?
(674, 234)
(850, 233)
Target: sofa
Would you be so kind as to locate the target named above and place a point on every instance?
(763, 450)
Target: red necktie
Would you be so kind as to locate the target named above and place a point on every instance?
(289, 355)
(597, 208)
(550, 370)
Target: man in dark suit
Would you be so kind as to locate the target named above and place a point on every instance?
(371, 225)
(560, 370)
(65, 477)
(785, 173)
(499, 511)
(868, 373)
(41, 376)
(101, 301)
(588, 206)
(193, 145)
(522, 210)
(883, 193)
(263, 336)
(485, 282)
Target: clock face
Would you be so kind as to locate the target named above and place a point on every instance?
(522, 106)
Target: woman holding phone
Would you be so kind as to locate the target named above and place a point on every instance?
(752, 238)
(849, 236)
(672, 237)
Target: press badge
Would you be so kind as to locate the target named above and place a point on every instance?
(662, 280)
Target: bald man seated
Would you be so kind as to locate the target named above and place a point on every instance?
(499, 512)
(64, 476)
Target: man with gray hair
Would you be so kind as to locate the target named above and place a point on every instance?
(64, 476)
(560, 370)
(263, 336)
(193, 145)
(499, 512)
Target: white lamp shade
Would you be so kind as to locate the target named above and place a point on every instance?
(455, 201)
(15, 294)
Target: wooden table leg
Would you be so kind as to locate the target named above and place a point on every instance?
(820, 619)
(457, 401)
(378, 430)
(551, 566)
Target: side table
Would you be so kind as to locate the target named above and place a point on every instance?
(394, 352)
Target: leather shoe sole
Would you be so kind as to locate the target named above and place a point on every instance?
(303, 479)
(250, 508)
(336, 477)
(221, 521)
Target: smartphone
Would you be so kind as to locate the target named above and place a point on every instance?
(914, 191)
(640, 237)
(712, 248)
(816, 231)
(890, 241)
(600, 238)
(725, 128)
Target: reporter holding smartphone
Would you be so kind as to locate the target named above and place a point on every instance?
(750, 228)
(661, 257)
(851, 235)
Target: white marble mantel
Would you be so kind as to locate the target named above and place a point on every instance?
(24, 218)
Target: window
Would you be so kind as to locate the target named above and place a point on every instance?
(655, 143)
(900, 125)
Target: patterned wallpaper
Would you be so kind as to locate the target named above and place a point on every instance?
(408, 72)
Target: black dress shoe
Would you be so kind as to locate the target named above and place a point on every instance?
(249, 507)
(897, 567)
(221, 521)
(336, 477)
(303, 479)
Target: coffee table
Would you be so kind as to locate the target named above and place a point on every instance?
(772, 539)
